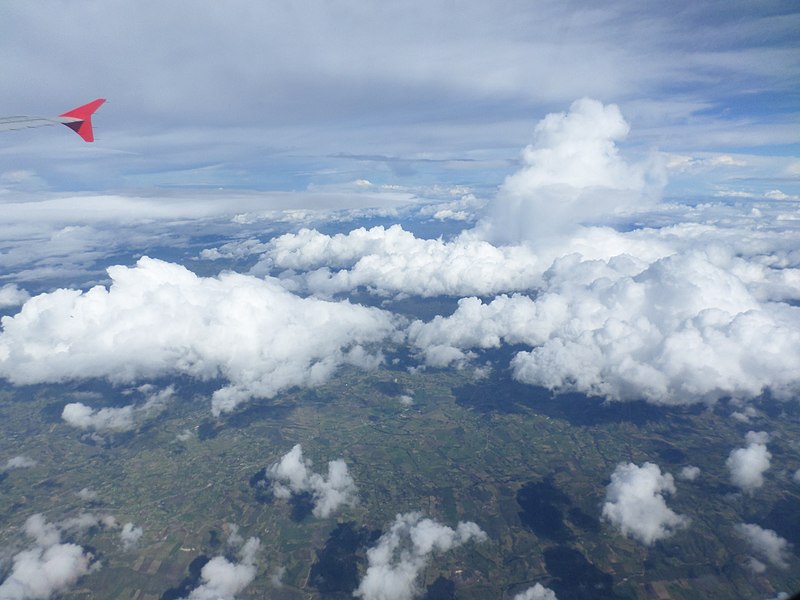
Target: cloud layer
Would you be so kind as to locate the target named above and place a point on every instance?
(159, 318)
(673, 314)
(682, 329)
(351, 82)
(635, 503)
(401, 554)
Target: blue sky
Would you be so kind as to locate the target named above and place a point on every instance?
(283, 95)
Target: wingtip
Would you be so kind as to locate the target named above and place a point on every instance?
(83, 115)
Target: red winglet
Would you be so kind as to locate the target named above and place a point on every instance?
(83, 115)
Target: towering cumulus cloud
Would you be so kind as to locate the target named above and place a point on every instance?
(292, 475)
(680, 313)
(635, 503)
(159, 318)
(405, 550)
(571, 174)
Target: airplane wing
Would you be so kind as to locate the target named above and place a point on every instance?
(22, 122)
(78, 119)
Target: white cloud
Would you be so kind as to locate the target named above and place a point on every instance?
(392, 260)
(689, 473)
(86, 521)
(11, 295)
(401, 553)
(276, 578)
(87, 494)
(676, 313)
(571, 174)
(130, 536)
(292, 475)
(104, 419)
(158, 318)
(234, 537)
(682, 329)
(745, 415)
(635, 503)
(122, 418)
(537, 592)
(222, 579)
(19, 462)
(66, 237)
(748, 465)
(779, 195)
(767, 544)
(46, 569)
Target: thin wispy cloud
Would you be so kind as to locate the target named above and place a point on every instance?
(346, 79)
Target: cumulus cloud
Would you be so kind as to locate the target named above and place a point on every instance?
(748, 465)
(18, 462)
(392, 260)
(158, 318)
(130, 536)
(572, 173)
(401, 553)
(537, 592)
(682, 329)
(47, 568)
(292, 475)
(767, 544)
(87, 494)
(11, 295)
(689, 473)
(85, 521)
(221, 579)
(122, 418)
(79, 415)
(673, 314)
(635, 503)
(745, 415)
